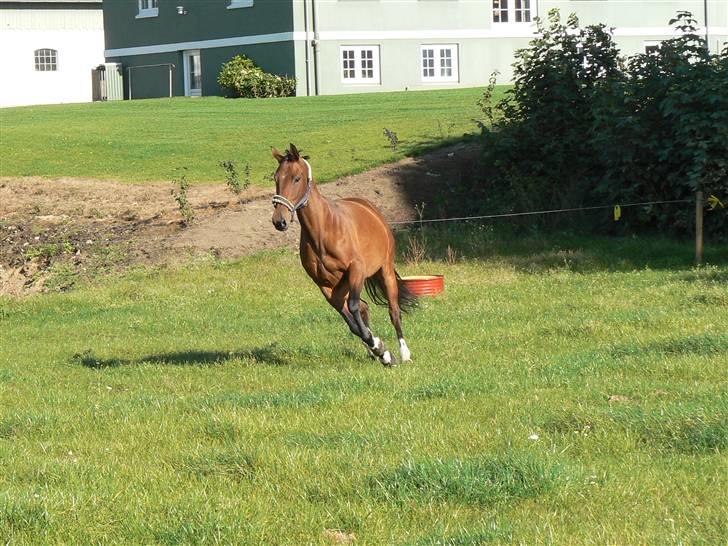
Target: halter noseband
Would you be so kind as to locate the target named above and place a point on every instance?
(280, 200)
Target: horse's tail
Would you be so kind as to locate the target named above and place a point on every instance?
(378, 293)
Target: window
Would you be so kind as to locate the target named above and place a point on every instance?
(500, 11)
(148, 8)
(440, 63)
(652, 47)
(514, 11)
(523, 11)
(360, 64)
(234, 4)
(46, 60)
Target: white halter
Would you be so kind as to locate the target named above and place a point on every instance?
(280, 200)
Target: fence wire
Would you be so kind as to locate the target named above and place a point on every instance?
(537, 212)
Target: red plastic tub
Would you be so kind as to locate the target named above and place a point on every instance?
(425, 285)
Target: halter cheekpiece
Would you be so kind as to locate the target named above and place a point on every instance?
(280, 200)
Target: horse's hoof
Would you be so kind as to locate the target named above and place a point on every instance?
(387, 359)
(404, 352)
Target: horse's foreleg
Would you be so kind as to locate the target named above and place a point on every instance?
(337, 298)
(364, 310)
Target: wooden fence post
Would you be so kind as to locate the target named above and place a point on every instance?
(698, 228)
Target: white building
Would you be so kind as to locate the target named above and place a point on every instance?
(48, 49)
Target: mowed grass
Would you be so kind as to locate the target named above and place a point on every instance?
(149, 140)
(562, 391)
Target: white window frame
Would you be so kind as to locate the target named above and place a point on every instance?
(147, 8)
(357, 64)
(510, 10)
(439, 64)
(45, 59)
(237, 4)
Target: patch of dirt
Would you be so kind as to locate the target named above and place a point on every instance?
(53, 231)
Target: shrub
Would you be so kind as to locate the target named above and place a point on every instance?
(241, 77)
(663, 130)
(583, 126)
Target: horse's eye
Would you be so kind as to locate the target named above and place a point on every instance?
(297, 179)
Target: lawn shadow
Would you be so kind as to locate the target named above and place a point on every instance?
(269, 355)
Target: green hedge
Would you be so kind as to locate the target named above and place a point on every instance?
(583, 126)
(241, 77)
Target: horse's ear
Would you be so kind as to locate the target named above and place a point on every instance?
(278, 155)
(294, 152)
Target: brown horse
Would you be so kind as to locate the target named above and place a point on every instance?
(345, 245)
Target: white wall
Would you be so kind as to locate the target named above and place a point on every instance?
(80, 47)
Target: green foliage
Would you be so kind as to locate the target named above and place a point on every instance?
(583, 126)
(393, 139)
(662, 130)
(241, 77)
(232, 177)
(185, 208)
(47, 251)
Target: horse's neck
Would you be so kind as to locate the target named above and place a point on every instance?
(314, 215)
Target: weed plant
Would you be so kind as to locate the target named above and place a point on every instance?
(180, 197)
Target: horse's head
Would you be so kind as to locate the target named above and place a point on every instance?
(293, 186)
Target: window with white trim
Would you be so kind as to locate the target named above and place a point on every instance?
(148, 8)
(359, 64)
(46, 60)
(511, 11)
(439, 63)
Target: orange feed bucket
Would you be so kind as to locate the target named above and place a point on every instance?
(425, 285)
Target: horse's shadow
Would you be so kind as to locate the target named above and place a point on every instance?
(270, 355)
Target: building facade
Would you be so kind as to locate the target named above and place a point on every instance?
(48, 50)
(177, 47)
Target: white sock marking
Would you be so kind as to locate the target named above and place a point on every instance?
(387, 357)
(377, 341)
(404, 351)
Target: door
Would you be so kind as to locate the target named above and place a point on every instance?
(193, 73)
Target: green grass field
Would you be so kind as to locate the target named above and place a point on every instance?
(225, 403)
(147, 140)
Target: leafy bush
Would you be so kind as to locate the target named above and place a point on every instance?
(583, 126)
(241, 77)
(663, 129)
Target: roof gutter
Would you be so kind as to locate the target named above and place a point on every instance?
(315, 44)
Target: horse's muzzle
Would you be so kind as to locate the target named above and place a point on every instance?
(280, 224)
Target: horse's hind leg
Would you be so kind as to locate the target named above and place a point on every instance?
(395, 313)
(358, 308)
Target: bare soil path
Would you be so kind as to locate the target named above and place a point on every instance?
(84, 227)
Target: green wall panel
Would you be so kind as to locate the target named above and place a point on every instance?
(205, 20)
